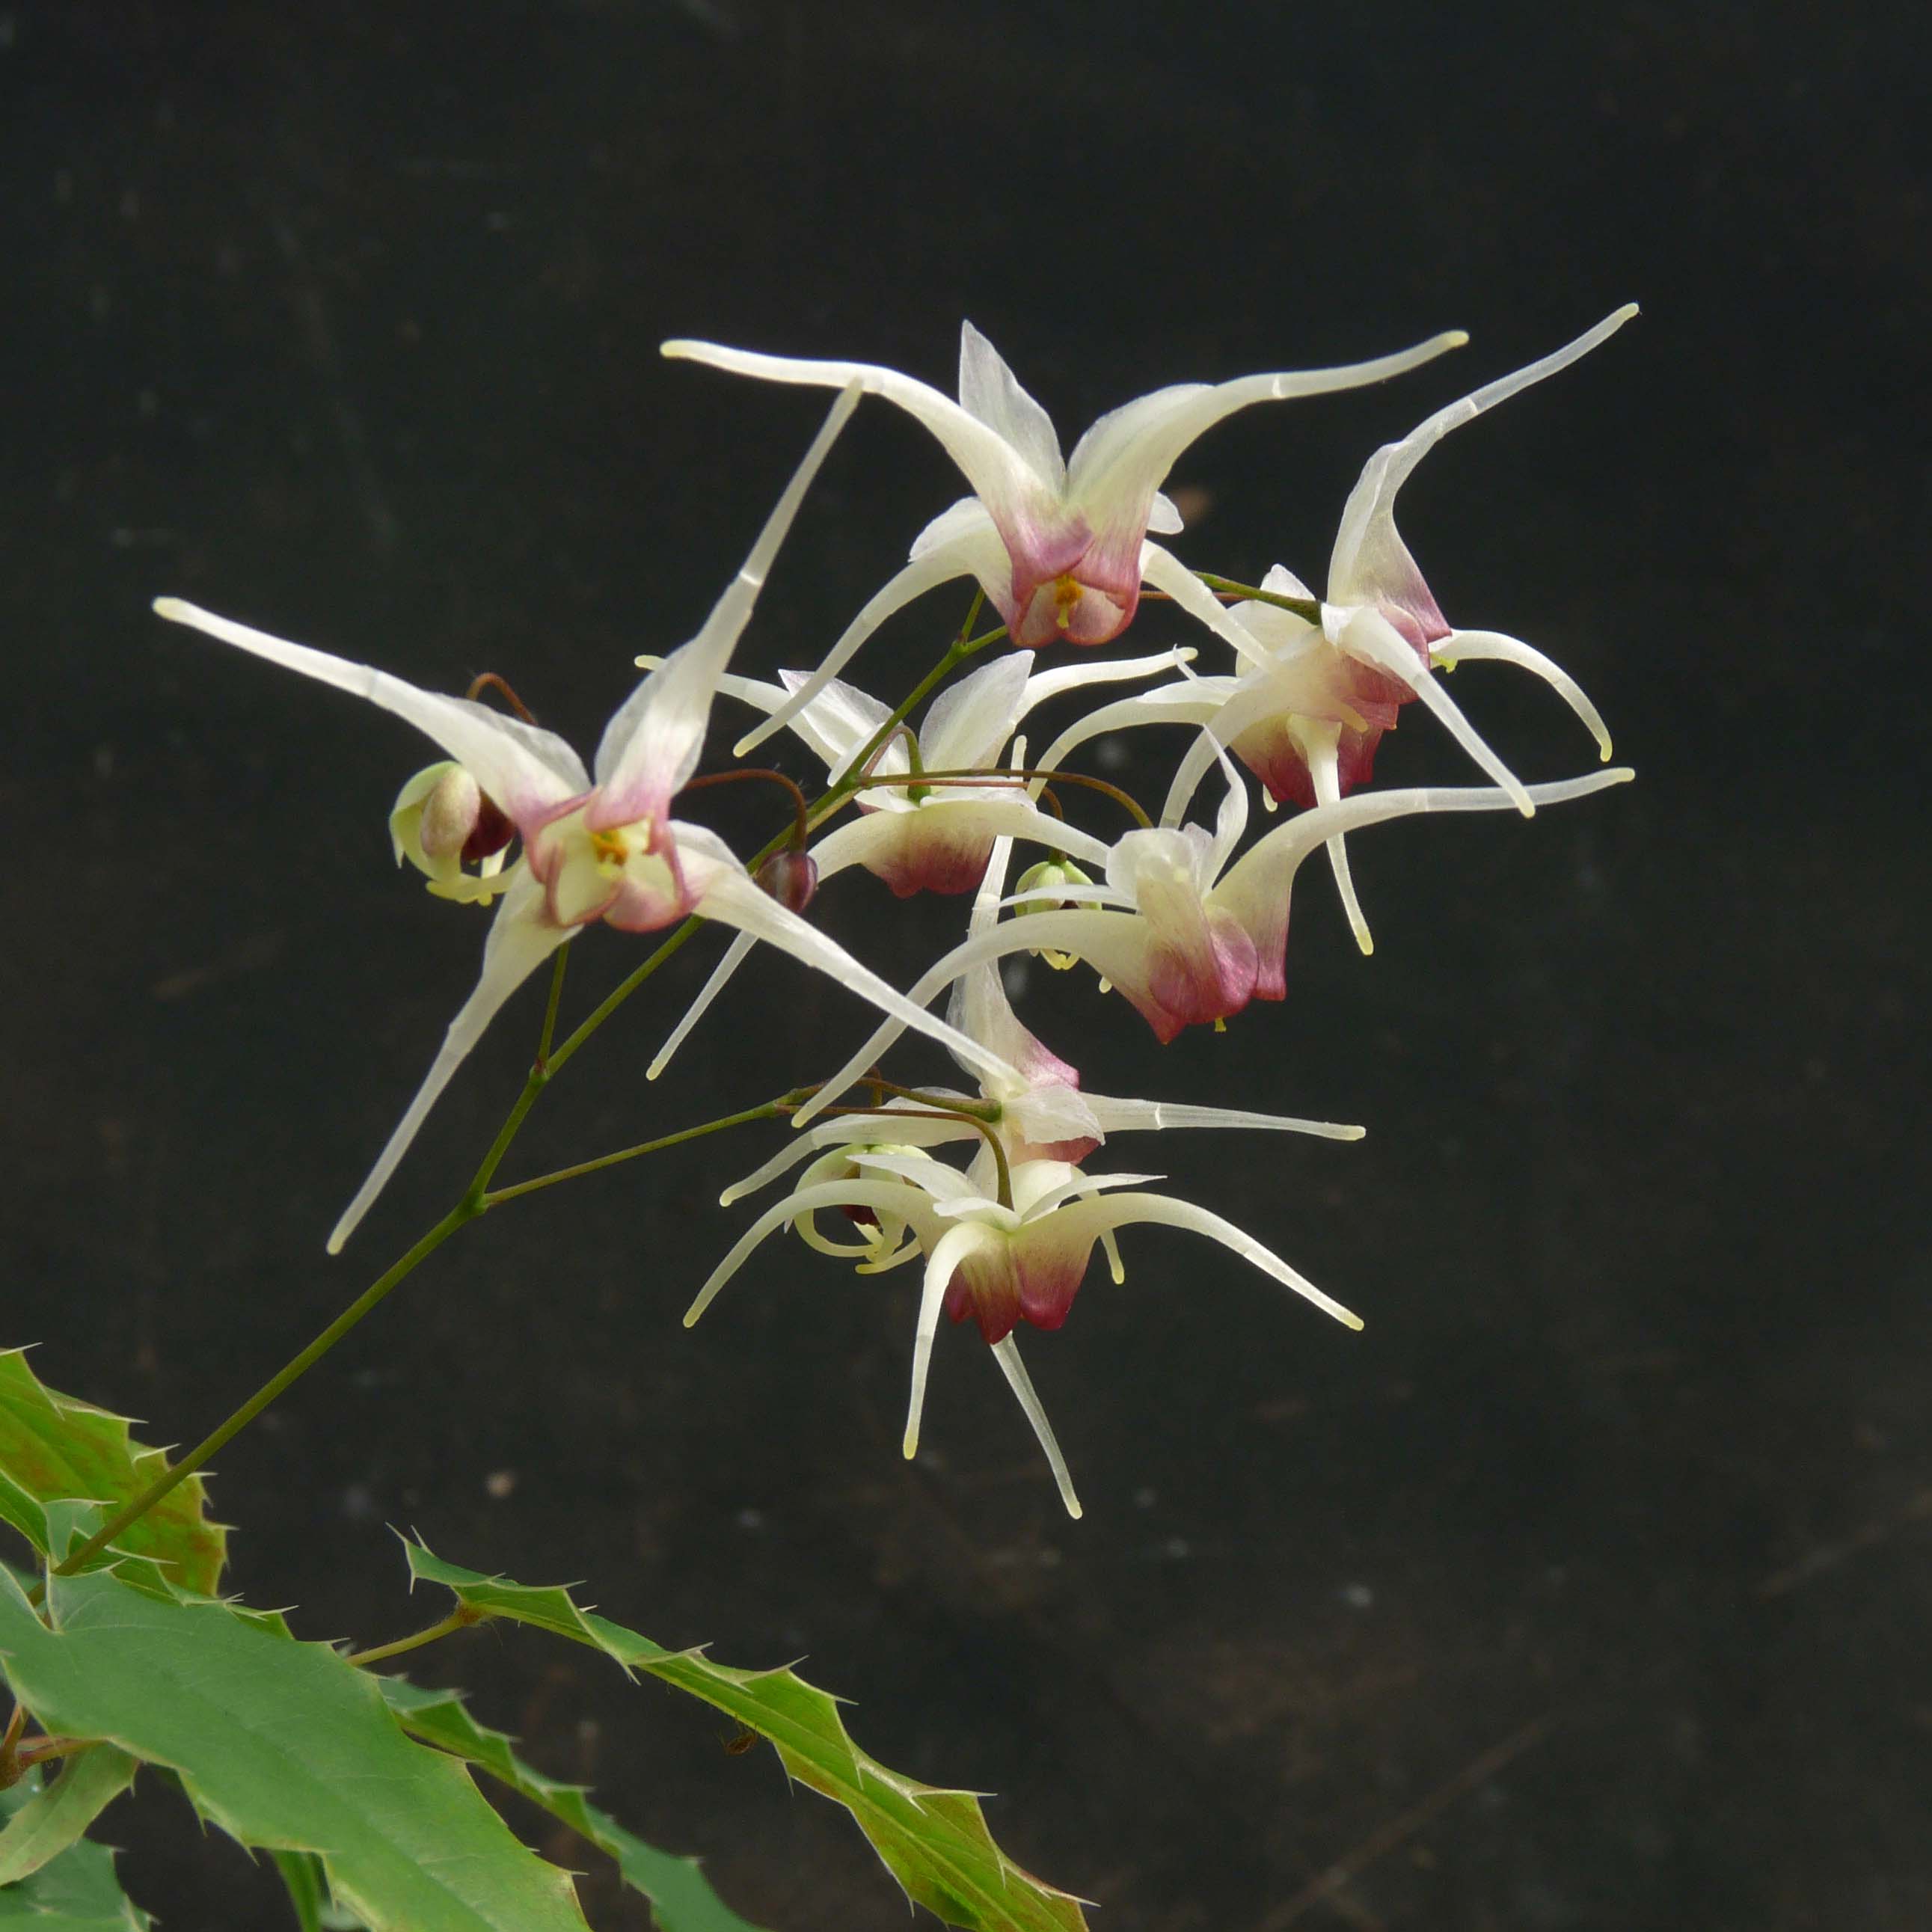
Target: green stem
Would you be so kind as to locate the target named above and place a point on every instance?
(768, 1110)
(1309, 608)
(461, 1618)
(549, 1008)
(364, 1303)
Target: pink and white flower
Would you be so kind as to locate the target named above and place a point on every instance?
(1060, 545)
(1307, 718)
(1187, 938)
(996, 1263)
(936, 839)
(604, 849)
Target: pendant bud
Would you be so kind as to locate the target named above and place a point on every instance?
(790, 877)
(1046, 878)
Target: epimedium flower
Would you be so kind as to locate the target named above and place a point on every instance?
(922, 838)
(1187, 938)
(605, 848)
(1307, 718)
(996, 1262)
(1060, 545)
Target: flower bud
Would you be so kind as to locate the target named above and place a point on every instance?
(790, 877)
(1045, 878)
(444, 821)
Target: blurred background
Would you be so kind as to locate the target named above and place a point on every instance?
(1587, 1587)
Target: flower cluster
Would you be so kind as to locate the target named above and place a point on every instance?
(1188, 922)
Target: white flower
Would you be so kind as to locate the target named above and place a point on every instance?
(1186, 937)
(1306, 719)
(923, 840)
(1060, 545)
(606, 849)
(997, 1264)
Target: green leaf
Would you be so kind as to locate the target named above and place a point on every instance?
(286, 1746)
(56, 1815)
(934, 1842)
(682, 1899)
(308, 1888)
(76, 1892)
(56, 1449)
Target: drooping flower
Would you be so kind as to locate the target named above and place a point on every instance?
(1187, 938)
(922, 839)
(442, 823)
(1306, 719)
(1060, 545)
(604, 849)
(996, 1264)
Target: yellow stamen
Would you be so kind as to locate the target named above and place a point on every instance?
(1066, 595)
(609, 847)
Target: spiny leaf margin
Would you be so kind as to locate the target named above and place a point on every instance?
(55, 1449)
(286, 1746)
(682, 1898)
(934, 1842)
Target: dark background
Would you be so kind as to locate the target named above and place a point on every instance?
(1588, 1587)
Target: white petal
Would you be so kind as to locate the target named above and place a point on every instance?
(1193, 702)
(840, 722)
(1007, 1355)
(1368, 556)
(524, 770)
(1324, 773)
(1125, 1116)
(1230, 822)
(996, 471)
(1121, 1210)
(1283, 583)
(1471, 646)
(918, 577)
(990, 392)
(823, 1136)
(1367, 635)
(733, 899)
(520, 940)
(1132, 448)
(1255, 887)
(735, 955)
(1165, 571)
(651, 746)
(1062, 678)
(967, 724)
(1164, 520)
(887, 1196)
(1113, 944)
(952, 1248)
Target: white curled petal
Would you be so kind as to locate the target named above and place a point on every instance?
(889, 1197)
(1193, 702)
(1366, 634)
(828, 1136)
(1127, 1116)
(1131, 449)
(952, 1248)
(734, 899)
(1121, 1210)
(998, 472)
(1007, 1355)
(1473, 646)
(935, 567)
(1164, 520)
(1255, 887)
(1062, 678)
(520, 940)
(651, 745)
(526, 770)
(1283, 582)
(1368, 556)
(990, 392)
(1318, 744)
(1165, 571)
